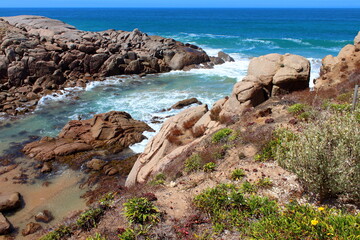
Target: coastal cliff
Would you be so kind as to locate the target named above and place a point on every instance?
(40, 56)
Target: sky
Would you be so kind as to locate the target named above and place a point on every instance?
(183, 3)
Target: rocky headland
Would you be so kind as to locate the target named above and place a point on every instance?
(40, 56)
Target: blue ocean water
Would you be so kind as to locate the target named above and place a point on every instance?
(250, 32)
(243, 33)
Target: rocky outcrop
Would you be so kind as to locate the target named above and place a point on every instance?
(10, 201)
(111, 132)
(184, 103)
(345, 67)
(31, 228)
(176, 137)
(5, 226)
(268, 76)
(39, 55)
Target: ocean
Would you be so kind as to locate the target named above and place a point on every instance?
(242, 33)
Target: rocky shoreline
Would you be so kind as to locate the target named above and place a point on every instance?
(40, 56)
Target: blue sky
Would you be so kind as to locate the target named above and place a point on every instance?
(182, 3)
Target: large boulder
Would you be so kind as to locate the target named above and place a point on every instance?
(188, 56)
(167, 148)
(112, 131)
(10, 201)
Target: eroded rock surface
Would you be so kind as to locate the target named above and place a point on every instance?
(343, 68)
(5, 226)
(112, 132)
(39, 56)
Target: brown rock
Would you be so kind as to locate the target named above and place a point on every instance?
(113, 132)
(46, 168)
(185, 103)
(188, 56)
(5, 226)
(357, 39)
(31, 228)
(44, 216)
(10, 201)
(96, 164)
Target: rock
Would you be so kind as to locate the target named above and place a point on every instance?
(5, 226)
(168, 146)
(185, 103)
(186, 57)
(96, 164)
(10, 201)
(44, 216)
(357, 39)
(46, 168)
(111, 132)
(31, 228)
(225, 57)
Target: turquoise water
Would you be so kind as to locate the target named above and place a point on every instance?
(243, 33)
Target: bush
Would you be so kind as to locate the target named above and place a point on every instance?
(141, 210)
(256, 217)
(221, 135)
(58, 234)
(159, 179)
(268, 151)
(89, 218)
(96, 237)
(325, 155)
(297, 108)
(209, 167)
(237, 174)
(107, 200)
(193, 163)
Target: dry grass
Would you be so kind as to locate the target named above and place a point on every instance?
(198, 131)
(190, 123)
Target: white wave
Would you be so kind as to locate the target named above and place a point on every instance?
(315, 70)
(255, 40)
(298, 41)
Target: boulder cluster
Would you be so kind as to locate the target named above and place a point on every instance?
(39, 56)
(269, 75)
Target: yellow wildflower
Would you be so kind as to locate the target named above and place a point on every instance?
(321, 209)
(314, 222)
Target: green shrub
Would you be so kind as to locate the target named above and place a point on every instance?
(297, 108)
(325, 155)
(107, 200)
(96, 237)
(221, 135)
(247, 187)
(89, 218)
(237, 174)
(256, 217)
(159, 179)
(141, 210)
(58, 234)
(136, 232)
(267, 153)
(193, 163)
(264, 183)
(209, 167)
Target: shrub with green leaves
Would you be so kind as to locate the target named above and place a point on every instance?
(209, 167)
(159, 179)
(267, 153)
(193, 163)
(107, 200)
(221, 135)
(58, 234)
(325, 154)
(141, 210)
(297, 108)
(89, 218)
(256, 217)
(237, 174)
(96, 237)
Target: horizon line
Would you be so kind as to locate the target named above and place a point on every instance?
(180, 7)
